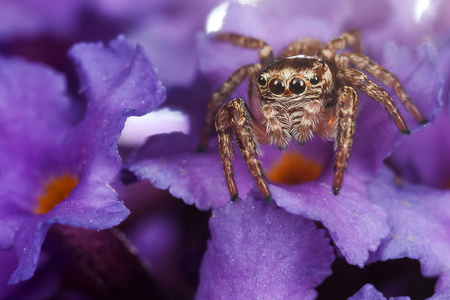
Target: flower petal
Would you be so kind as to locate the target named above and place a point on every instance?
(119, 81)
(257, 250)
(423, 157)
(377, 136)
(171, 162)
(116, 73)
(368, 291)
(356, 225)
(419, 217)
(442, 288)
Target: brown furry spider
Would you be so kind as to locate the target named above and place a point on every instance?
(310, 89)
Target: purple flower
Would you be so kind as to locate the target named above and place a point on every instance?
(58, 161)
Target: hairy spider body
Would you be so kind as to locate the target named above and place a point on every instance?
(310, 89)
(296, 116)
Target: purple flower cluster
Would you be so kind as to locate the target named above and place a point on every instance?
(61, 167)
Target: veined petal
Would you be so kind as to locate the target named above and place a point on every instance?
(259, 251)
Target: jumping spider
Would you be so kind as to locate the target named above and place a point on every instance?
(310, 89)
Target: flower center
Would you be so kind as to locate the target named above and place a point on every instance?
(293, 169)
(55, 191)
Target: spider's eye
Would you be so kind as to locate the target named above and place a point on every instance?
(315, 80)
(262, 81)
(277, 86)
(297, 86)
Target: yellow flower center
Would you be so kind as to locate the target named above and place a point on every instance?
(293, 169)
(55, 191)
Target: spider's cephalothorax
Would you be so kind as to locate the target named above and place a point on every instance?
(296, 90)
(309, 90)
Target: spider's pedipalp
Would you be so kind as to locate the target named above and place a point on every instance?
(359, 80)
(308, 120)
(275, 133)
(218, 98)
(365, 63)
(348, 108)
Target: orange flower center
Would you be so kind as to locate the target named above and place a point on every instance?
(293, 169)
(55, 191)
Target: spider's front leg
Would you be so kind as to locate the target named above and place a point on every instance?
(218, 98)
(348, 106)
(236, 115)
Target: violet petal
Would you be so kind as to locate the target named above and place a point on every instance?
(419, 217)
(258, 250)
(368, 291)
(417, 71)
(171, 162)
(356, 225)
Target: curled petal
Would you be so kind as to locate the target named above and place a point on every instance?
(171, 162)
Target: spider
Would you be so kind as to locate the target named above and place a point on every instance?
(309, 89)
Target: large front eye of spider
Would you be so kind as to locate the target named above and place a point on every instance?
(277, 86)
(297, 86)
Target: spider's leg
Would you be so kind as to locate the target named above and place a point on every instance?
(349, 39)
(217, 99)
(359, 80)
(265, 51)
(365, 63)
(348, 106)
(223, 128)
(242, 121)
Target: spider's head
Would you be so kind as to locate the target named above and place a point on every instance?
(296, 77)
